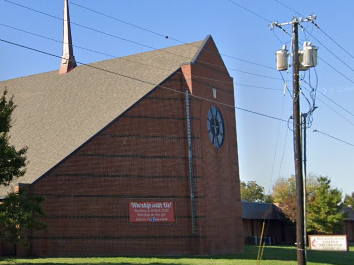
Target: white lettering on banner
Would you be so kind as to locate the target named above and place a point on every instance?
(151, 211)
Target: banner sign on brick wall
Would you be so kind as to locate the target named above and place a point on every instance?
(329, 243)
(151, 212)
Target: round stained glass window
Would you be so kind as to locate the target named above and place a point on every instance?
(215, 125)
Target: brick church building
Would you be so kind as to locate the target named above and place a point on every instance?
(134, 156)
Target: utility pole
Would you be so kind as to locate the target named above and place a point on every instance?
(304, 128)
(309, 59)
(300, 231)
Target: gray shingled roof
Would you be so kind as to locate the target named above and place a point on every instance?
(57, 114)
(350, 213)
(260, 211)
(269, 211)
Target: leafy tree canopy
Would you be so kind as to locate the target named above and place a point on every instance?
(324, 213)
(12, 162)
(284, 195)
(251, 192)
(18, 213)
(349, 200)
(6, 109)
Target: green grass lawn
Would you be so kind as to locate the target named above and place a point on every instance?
(272, 256)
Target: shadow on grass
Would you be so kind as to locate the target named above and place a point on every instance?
(271, 253)
(27, 262)
(289, 254)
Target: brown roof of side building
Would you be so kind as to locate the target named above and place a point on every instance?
(261, 211)
(350, 213)
(56, 114)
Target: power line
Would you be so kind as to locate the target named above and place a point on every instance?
(328, 36)
(313, 107)
(127, 23)
(288, 7)
(331, 52)
(250, 11)
(260, 87)
(165, 36)
(335, 69)
(125, 59)
(336, 112)
(143, 81)
(170, 89)
(134, 42)
(336, 103)
(276, 148)
(324, 45)
(335, 138)
(336, 43)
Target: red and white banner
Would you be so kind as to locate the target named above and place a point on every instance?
(151, 212)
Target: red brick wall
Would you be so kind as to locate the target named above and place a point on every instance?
(6, 249)
(221, 207)
(143, 155)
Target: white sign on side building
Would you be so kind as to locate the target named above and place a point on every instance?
(329, 243)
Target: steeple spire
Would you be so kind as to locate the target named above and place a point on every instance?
(68, 60)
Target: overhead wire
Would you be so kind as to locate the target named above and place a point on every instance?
(340, 46)
(286, 89)
(331, 52)
(338, 105)
(242, 109)
(250, 11)
(164, 36)
(335, 112)
(142, 81)
(335, 69)
(131, 41)
(282, 157)
(321, 42)
(321, 59)
(276, 147)
(287, 7)
(347, 111)
(335, 138)
(327, 35)
(339, 72)
(126, 59)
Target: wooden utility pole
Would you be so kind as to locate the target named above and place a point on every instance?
(310, 54)
(300, 231)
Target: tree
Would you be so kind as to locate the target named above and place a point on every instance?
(349, 200)
(18, 211)
(284, 195)
(251, 192)
(325, 215)
(18, 214)
(12, 162)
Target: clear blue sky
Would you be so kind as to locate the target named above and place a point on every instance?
(265, 145)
